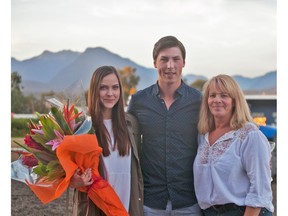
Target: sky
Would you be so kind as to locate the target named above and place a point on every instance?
(246, 37)
(220, 36)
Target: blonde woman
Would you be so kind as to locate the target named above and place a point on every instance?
(231, 170)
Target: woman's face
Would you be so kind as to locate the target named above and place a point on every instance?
(220, 104)
(109, 92)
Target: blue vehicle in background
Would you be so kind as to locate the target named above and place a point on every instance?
(271, 133)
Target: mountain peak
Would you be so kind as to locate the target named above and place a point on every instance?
(55, 70)
(47, 53)
(99, 49)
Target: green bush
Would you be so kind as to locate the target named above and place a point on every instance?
(19, 126)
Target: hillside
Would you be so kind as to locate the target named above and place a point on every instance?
(56, 71)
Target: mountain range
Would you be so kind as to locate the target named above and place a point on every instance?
(54, 71)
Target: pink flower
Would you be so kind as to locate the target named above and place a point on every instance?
(56, 142)
(37, 131)
(59, 135)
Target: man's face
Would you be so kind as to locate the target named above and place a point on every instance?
(169, 63)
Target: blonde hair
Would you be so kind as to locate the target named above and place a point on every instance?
(240, 113)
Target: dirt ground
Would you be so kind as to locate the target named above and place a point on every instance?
(24, 202)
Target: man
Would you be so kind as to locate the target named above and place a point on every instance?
(168, 115)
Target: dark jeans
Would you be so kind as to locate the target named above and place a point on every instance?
(232, 210)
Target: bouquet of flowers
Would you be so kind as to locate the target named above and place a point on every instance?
(56, 147)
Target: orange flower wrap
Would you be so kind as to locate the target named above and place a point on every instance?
(81, 151)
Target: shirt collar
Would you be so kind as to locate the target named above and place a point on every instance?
(226, 136)
(179, 91)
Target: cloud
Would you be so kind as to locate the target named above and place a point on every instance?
(210, 29)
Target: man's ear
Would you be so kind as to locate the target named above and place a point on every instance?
(154, 62)
(184, 63)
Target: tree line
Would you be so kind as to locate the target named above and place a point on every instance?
(27, 104)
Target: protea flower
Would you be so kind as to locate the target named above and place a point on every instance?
(32, 144)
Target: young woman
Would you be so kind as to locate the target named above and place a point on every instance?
(117, 134)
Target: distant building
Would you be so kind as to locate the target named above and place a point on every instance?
(263, 106)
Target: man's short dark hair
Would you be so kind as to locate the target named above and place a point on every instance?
(168, 42)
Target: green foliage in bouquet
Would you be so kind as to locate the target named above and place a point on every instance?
(47, 135)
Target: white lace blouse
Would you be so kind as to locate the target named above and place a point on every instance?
(235, 169)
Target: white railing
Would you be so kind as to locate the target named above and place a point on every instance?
(28, 116)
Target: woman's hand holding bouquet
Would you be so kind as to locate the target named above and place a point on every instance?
(61, 144)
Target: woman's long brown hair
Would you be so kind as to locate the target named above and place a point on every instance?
(95, 108)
